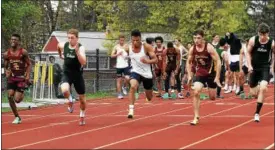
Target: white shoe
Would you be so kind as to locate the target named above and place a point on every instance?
(124, 90)
(227, 91)
(225, 87)
(180, 96)
(234, 87)
(120, 96)
(272, 80)
(257, 118)
(131, 113)
(237, 90)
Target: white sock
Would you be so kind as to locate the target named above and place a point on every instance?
(226, 86)
(131, 106)
(234, 87)
(82, 113)
(230, 88)
(237, 89)
(70, 98)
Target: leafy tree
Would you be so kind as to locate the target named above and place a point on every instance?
(20, 17)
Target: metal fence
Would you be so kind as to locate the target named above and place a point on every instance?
(98, 77)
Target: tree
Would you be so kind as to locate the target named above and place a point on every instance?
(20, 17)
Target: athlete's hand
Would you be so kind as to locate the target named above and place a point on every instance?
(189, 79)
(272, 70)
(27, 79)
(217, 81)
(250, 69)
(8, 73)
(164, 76)
(76, 48)
(144, 60)
(61, 56)
(176, 72)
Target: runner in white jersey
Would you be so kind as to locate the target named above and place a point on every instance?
(243, 66)
(181, 72)
(122, 65)
(142, 55)
(235, 48)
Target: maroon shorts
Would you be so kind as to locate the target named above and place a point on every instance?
(17, 84)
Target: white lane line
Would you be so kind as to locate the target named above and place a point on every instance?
(105, 127)
(163, 129)
(222, 132)
(270, 146)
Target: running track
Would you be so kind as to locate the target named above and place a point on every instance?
(161, 124)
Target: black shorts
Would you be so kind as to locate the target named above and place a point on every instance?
(76, 79)
(258, 76)
(147, 83)
(234, 66)
(206, 80)
(245, 70)
(120, 72)
(170, 68)
(16, 84)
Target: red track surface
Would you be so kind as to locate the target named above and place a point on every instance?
(161, 124)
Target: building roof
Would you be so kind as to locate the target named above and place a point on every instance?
(90, 40)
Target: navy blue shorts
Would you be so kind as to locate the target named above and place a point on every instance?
(147, 83)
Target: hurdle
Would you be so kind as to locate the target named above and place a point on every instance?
(39, 82)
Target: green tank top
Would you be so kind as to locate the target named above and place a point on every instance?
(71, 62)
(219, 51)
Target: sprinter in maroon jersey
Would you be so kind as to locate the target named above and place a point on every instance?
(17, 68)
(208, 66)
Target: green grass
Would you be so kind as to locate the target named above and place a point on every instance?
(98, 95)
(28, 98)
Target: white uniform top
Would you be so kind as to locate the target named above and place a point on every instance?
(121, 60)
(244, 63)
(181, 48)
(233, 58)
(138, 66)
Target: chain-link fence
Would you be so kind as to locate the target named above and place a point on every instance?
(99, 72)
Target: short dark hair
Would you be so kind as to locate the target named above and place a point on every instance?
(159, 38)
(199, 32)
(178, 38)
(170, 45)
(215, 34)
(16, 35)
(136, 32)
(150, 40)
(51, 57)
(263, 28)
(222, 42)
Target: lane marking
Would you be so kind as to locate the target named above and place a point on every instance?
(105, 127)
(222, 132)
(270, 146)
(163, 129)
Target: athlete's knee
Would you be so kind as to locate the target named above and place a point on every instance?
(65, 87)
(11, 97)
(18, 99)
(263, 86)
(212, 96)
(197, 91)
